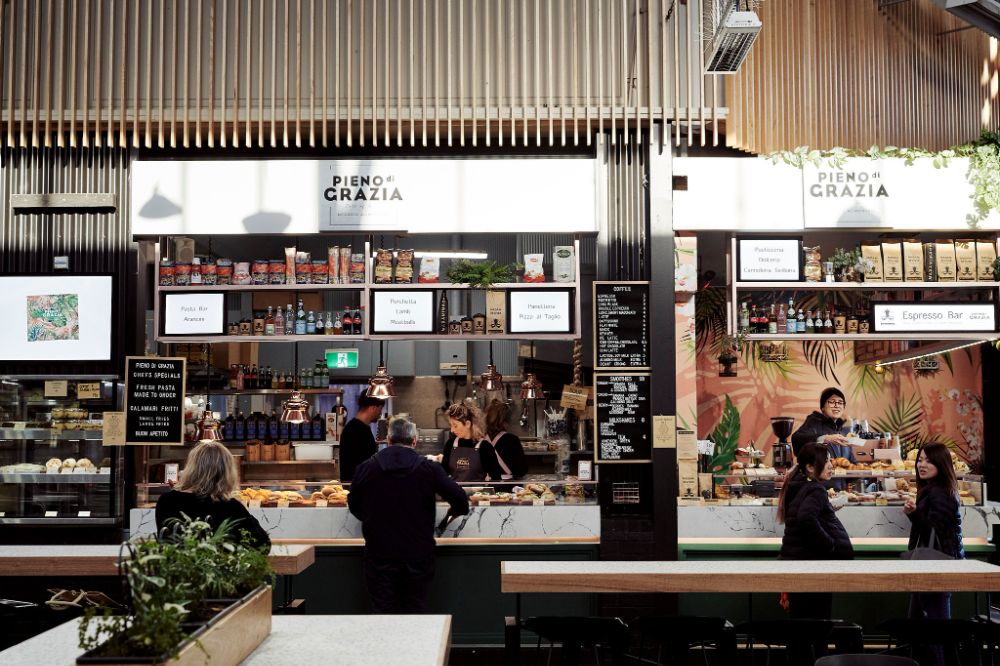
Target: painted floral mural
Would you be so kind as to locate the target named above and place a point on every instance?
(919, 405)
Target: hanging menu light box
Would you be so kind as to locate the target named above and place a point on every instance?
(934, 317)
(540, 311)
(154, 400)
(769, 259)
(402, 311)
(621, 326)
(622, 423)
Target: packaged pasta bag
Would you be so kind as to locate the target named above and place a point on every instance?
(383, 266)
(404, 266)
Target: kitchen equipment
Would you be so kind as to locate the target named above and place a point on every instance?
(781, 451)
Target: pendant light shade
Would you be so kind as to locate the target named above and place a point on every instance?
(295, 409)
(491, 380)
(531, 388)
(381, 385)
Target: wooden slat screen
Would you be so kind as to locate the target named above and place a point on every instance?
(848, 73)
(334, 73)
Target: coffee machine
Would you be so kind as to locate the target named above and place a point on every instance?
(781, 451)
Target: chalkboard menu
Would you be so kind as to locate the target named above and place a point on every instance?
(154, 400)
(623, 424)
(621, 326)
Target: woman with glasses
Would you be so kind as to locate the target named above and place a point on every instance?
(826, 426)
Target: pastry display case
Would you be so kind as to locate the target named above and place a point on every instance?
(54, 467)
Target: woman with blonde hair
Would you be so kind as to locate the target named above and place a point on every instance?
(469, 456)
(205, 493)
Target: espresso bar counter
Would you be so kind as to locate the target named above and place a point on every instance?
(346, 640)
(286, 559)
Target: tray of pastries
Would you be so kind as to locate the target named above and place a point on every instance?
(535, 492)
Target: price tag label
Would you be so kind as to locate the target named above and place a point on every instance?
(19, 425)
(82, 470)
(83, 514)
(840, 472)
(484, 503)
(105, 470)
(321, 504)
(66, 470)
(88, 390)
(574, 397)
(51, 514)
(282, 504)
(56, 389)
(113, 428)
(255, 504)
(3, 514)
(538, 502)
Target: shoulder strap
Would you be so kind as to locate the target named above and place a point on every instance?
(493, 441)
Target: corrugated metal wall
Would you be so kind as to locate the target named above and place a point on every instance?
(332, 73)
(853, 74)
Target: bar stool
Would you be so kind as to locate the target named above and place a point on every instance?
(923, 632)
(864, 660)
(797, 636)
(576, 633)
(679, 633)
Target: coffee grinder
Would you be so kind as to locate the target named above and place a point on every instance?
(781, 451)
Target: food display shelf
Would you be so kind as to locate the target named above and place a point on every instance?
(81, 478)
(495, 287)
(264, 287)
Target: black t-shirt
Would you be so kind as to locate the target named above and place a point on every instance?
(509, 448)
(177, 504)
(357, 444)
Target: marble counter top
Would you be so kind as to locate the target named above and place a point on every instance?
(860, 521)
(347, 640)
(488, 522)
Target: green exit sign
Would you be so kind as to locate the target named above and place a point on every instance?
(341, 358)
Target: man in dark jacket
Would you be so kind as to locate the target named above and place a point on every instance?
(393, 495)
(826, 426)
(357, 443)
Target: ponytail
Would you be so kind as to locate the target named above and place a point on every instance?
(784, 491)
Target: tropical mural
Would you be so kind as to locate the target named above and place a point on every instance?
(920, 405)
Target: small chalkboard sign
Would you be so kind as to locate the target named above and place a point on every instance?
(154, 400)
(623, 424)
(621, 326)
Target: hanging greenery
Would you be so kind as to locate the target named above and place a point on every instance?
(984, 165)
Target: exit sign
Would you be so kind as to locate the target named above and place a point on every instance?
(338, 359)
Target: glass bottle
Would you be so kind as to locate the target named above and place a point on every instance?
(744, 317)
(279, 322)
(809, 322)
(772, 321)
(320, 324)
(269, 322)
(827, 323)
(311, 323)
(240, 427)
(300, 320)
(781, 325)
(318, 426)
(336, 327)
(328, 325)
(289, 321)
(800, 322)
(254, 377)
(790, 324)
(229, 428)
(272, 426)
(283, 430)
(347, 321)
(357, 317)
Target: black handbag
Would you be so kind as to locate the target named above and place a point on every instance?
(928, 552)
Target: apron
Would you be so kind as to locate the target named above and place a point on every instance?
(506, 476)
(466, 464)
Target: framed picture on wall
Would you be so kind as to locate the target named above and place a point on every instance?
(769, 259)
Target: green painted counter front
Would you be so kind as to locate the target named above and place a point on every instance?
(864, 609)
(466, 586)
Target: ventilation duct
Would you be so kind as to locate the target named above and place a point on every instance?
(730, 33)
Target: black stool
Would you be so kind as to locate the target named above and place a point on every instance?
(576, 633)
(924, 632)
(678, 634)
(798, 637)
(865, 660)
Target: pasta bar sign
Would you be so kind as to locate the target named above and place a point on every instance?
(769, 259)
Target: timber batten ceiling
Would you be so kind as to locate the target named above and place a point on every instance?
(848, 73)
(346, 73)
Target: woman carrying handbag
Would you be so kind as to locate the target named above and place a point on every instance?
(936, 523)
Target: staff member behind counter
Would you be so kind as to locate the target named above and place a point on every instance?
(469, 456)
(826, 426)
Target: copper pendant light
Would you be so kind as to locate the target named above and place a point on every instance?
(295, 409)
(491, 380)
(381, 384)
(531, 388)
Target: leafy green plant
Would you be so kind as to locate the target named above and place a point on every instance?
(726, 436)
(843, 259)
(169, 578)
(481, 274)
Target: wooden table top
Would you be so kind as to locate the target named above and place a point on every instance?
(101, 560)
(751, 576)
(346, 640)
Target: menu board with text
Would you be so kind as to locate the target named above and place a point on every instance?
(623, 424)
(154, 400)
(621, 326)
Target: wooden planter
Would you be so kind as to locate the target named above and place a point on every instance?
(225, 640)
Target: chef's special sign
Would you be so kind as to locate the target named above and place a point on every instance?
(622, 424)
(154, 400)
(769, 259)
(935, 317)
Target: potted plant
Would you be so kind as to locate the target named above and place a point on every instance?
(845, 264)
(481, 274)
(194, 590)
(729, 345)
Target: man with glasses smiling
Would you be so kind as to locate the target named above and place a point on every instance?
(826, 426)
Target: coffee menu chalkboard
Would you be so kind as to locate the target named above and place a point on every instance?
(623, 425)
(621, 326)
(154, 400)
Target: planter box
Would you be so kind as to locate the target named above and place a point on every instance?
(225, 640)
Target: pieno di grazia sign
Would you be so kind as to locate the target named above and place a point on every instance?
(933, 317)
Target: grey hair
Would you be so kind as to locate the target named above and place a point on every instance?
(402, 431)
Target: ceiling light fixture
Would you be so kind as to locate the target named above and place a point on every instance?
(491, 380)
(295, 409)
(926, 351)
(381, 384)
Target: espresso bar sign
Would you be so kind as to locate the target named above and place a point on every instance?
(154, 400)
(623, 425)
(621, 325)
(769, 259)
(936, 317)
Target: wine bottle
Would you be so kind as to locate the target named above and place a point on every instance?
(442, 327)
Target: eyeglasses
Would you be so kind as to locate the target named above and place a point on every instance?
(836, 403)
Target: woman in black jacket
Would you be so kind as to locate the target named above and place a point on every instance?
(812, 530)
(509, 451)
(204, 493)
